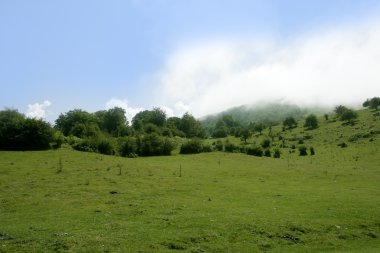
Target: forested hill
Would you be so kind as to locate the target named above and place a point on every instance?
(267, 113)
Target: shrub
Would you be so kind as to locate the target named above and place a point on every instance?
(265, 143)
(105, 146)
(255, 151)
(230, 147)
(193, 146)
(267, 153)
(343, 145)
(206, 148)
(154, 145)
(302, 150)
(87, 145)
(312, 152)
(311, 122)
(127, 146)
(219, 145)
(276, 153)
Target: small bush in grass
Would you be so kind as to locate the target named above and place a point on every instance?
(219, 145)
(265, 143)
(312, 152)
(230, 147)
(267, 153)
(206, 148)
(193, 146)
(127, 146)
(276, 153)
(105, 146)
(302, 150)
(255, 151)
(342, 145)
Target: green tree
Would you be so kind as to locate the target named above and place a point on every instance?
(66, 122)
(311, 122)
(113, 121)
(374, 103)
(340, 109)
(289, 122)
(191, 127)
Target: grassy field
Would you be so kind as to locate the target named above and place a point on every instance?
(69, 201)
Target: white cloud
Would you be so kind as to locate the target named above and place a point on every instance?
(340, 65)
(37, 110)
(130, 112)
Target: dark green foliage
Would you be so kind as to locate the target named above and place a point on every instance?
(105, 146)
(231, 147)
(58, 139)
(245, 134)
(302, 150)
(113, 121)
(80, 119)
(343, 145)
(191, 127)
(219, 145)
(340, 109)
(156, 116)
(265, 143)
(206, 148)
(276, 153)
(20, 133)
(326, 116)
(311, 122)
(127, 146)
(193, 146)
(154, 144)
(289, 122)
(372, 103)
(349, 116)
(255, 151)
(86, 145)
(267, 153)
(312, 152)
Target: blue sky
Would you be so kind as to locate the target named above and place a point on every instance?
(59, 55)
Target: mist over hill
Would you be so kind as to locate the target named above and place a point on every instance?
(264, 113)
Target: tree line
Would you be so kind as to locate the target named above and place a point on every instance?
(150, 132)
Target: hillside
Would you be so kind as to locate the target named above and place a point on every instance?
(69, 201)
(269, 112)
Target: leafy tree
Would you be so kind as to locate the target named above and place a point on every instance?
(340, 109)
(311, 121)
(290, 122)
(66, 122)
(113, 121)
(374, 103)
(191, 127)
(245, 134)
(276, 153)
(265, 143)
(20, 133)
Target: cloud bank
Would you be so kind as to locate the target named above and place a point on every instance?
(37, 110)
(336, 66)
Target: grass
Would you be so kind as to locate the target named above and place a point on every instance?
(223, 202)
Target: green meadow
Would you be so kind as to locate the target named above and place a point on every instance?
(70, 201)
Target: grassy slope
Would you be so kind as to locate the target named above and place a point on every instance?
(222, 203)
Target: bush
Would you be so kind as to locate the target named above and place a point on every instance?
(302, 150)
(193, 146)
(206, 148)
(154, 145)
(312, 152)
(267, 153)
(105, 146)
(265, 143)
(58, 139)
(219, 145)
(87, 145)
(343, 145)
(276, 153)
(127, 146)
(255, 151)
(230, 147)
